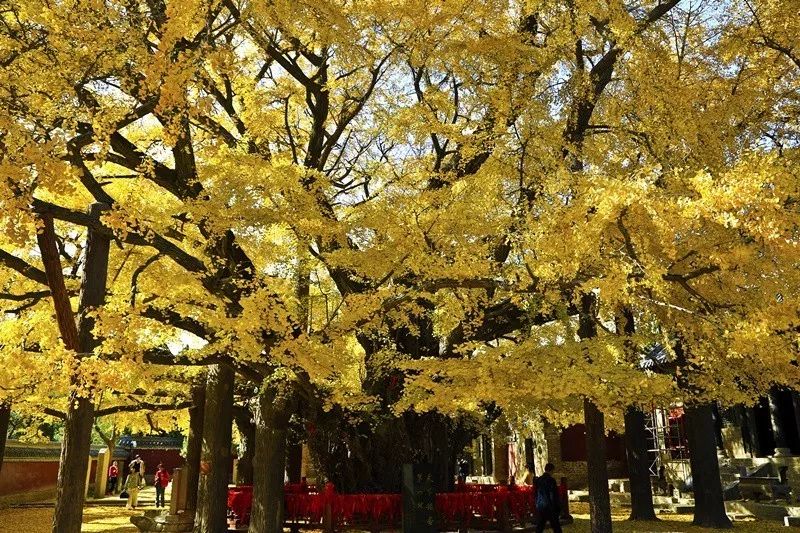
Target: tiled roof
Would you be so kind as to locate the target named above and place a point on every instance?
(46, 451)
(653, 356)
(151, 441)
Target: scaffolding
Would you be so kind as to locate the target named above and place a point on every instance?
(667, 443)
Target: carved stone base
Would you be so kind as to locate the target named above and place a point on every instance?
(176, 523)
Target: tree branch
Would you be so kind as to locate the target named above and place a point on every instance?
(23, 267)
(54, 413)
(143, 406)
(160, 243)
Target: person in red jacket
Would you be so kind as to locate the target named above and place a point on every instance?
(113, 475)
(161, 481)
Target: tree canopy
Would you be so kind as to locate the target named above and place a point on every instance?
(401, 205)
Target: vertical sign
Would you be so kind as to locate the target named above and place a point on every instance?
(419, 515)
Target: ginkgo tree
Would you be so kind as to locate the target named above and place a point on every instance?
(435, 176)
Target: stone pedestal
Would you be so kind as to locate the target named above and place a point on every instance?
(178, 496)
(783, 452)
(179, 518)
(88, 476)
(152, 522)
(101, 473)
(791, 521)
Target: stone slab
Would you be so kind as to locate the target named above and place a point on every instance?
(791, 521)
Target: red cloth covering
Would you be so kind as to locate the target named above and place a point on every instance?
(485, 501)
(296, 488)
(345, 508)
(240, 501)
(476, 487)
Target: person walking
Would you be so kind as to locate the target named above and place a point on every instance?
(113, 475)
(132, 485)
(161, 481)
(138, 465)
(548, 503)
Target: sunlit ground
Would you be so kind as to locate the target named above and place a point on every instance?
(95, 519)
(667, 523)
(117, 520)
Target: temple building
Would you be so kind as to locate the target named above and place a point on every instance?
(762, 438)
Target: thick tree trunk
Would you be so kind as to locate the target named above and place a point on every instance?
(272, 421)
(599, 501)
(709, 506)
(638, 465)
(597, 468)
(247, 445)
(5, 420)
(211, 515)
(636, 433)
(194, 444)
(500, 433)
(71, 484)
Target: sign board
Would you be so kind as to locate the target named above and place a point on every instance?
(419, 515)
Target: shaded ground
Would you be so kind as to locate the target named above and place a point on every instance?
(115, 519)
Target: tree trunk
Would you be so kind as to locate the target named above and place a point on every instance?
(211, 515)
(194, 444)
(776, 420)
(709, 506)
(294, 461)
(638, 465)
(597, 468)
(272, 420)
(71, 484)
(599, 501)
(247, 442)
(5, 420)
(500, 433)
(755, 440)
